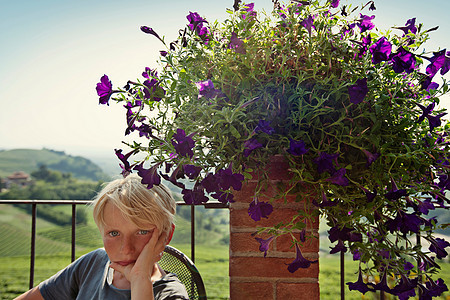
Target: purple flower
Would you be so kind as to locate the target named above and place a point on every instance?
(409, 26)
(446, 66)
(371, 157)
(297, 148)
(227, 179)
(365, 23)
(152, 90)
(408, 266)
(404, 223)
(264, 126)
(299, 261)
(149, 176)
(358, 92)
(364, 45)
(403, 60)
(251, 145)
(405, 288)
(264, 244)
(183, 144)
(395, 193)
(325, 162)
(339, 177)
(426, 110)
(369, 195)
(359, 285)
(249, 8)
(104, 90)
(432, 86)
(340, 247)
(196, 24)
(381, 50)
(149, 30)
(259, 209)
(237, 44)
(436, 62)
(444, 183)
(191, 171)
(210, 183)
(223, 197)
(195, 196)
(206, 89)
(425, 206)
(334, 3)
(308, 23)
(125, 165)
(438, 246)
(434, 289)
(382, 285)
(435, 121)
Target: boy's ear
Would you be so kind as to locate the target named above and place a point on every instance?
(169, 237)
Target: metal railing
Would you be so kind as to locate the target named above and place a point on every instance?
(74, 203)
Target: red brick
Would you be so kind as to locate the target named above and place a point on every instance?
(284, 243)
(251, 290)
(268, 267)
(245, 242)
(240, 217)
(300, 291)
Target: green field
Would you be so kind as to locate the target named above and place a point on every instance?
(53, 253)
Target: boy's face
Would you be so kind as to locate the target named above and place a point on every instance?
(123, 240)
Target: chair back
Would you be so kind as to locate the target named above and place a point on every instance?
(175, 261)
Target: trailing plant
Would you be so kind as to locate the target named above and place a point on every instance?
(354, 111)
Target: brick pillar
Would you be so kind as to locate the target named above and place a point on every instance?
(253, 276)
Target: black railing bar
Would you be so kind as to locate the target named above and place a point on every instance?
(212, 204)
(74, 216)
(193, 233)
(342, 267)
(33, 244)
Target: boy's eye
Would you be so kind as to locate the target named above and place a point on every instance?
(143, 232)
(113, 233)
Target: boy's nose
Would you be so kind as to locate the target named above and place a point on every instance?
(127, 245)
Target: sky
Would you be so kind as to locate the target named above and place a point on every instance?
(53, 52)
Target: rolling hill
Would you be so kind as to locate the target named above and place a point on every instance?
(29, 160)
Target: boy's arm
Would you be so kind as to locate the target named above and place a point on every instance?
(33, 294)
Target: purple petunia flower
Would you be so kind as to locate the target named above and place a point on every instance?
(191, 171)
(223, 197)
(227, 179)
(249, 8)
(259, 209)
(299, 261)
(364, 45)
(405, 288)
(334, 3)
(308, 23)
(125, 165)
(381, 50)
(436, 63)
(425, 110)
(196, 24)
(183, 144)
(325, 162)
(195, 196)
(251, 145)
(409, 26)
(438, 246)
(149, 30)
(434, 288)
(149, 176)
(297, 148)
(237, 44)
(339, 177)
(365, 23)
(403, 60)
(446, 66)
(264, 126)
(369, 195)
(371, 157)
(395, 193)
(104, 90)
(358, 92)
(359, 285)
(206, 89)
(210, 183)
(404, 223)
(264, 244)
(435, 121)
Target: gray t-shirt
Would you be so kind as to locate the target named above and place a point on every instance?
(90, 277)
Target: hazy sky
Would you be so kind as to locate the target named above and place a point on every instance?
(53, 52)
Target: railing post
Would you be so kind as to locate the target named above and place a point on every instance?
(33, 243)
(74, 216)
(342, 266)
(193, 233)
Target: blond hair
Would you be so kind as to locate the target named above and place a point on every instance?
(137, 203)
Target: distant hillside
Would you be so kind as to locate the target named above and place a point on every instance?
(29, 160)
